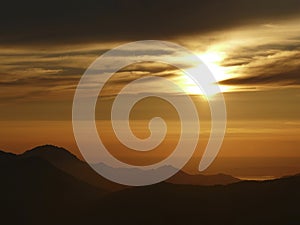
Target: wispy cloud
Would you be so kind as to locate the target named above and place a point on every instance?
(262, 57)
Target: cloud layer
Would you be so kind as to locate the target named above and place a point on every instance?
(35, 22)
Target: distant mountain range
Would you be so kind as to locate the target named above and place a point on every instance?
(49, 185)
(67, 162)
(199, 179)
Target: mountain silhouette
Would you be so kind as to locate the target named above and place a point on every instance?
(199, 179)
(50, 153)
(34, 190)
(179, 178)
(69, 163)
(246, 203)
(6, 156)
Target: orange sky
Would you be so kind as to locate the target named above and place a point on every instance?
(256, 61)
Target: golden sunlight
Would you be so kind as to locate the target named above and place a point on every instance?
(212, 58)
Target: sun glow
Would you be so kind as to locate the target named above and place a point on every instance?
(212, 60)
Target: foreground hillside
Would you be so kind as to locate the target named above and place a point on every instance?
(36, 191)
(269, 202)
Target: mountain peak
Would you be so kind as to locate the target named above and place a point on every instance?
(6, 155)
(50, 152)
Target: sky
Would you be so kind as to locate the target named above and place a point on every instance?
(251, 46)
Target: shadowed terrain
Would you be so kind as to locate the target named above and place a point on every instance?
(35, 189)
(67, 162)
(35, 192)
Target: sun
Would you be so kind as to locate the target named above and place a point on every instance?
(212, 56)
(212, 60)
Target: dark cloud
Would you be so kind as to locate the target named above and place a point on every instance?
(49, 55)
(282, 78)
(65, 22)
(281, 72)
(245, 55)
(49, 76)
(149, 67)
(131, 76)
(73, 53)
(269, 64)
(141, 70)
(21, 97)
(39, 81)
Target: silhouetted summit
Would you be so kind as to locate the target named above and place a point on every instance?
(50, 153)
(4, 156)
(70, 164)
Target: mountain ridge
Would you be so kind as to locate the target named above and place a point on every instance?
(69, 163)
(52, 151)
(60, 157)
(34, 190)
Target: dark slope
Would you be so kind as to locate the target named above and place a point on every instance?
(270, 203)
(35, 192)
(199, 179)
(6, 156)
(67, 162)
(51, 153)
